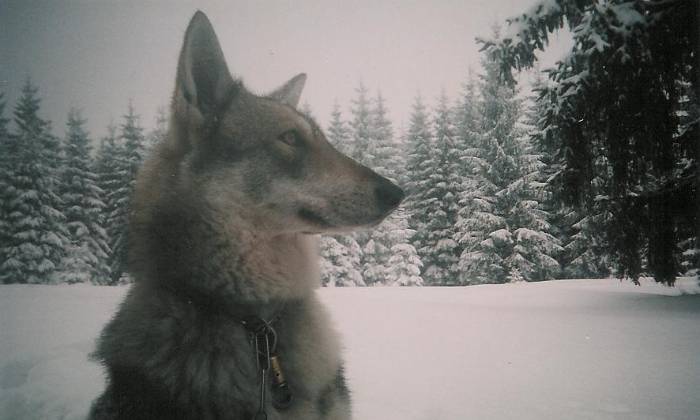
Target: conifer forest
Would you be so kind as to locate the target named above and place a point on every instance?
(591, 170)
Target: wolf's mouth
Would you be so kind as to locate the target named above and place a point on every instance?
(314, 218)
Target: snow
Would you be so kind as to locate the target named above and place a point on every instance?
(627, 15)
(517, 26)
(501, 235)
(531, 235)
(575, 349)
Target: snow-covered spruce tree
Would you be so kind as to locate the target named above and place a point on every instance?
(341, 254)
(6, 170)
(109, 181)
(404, 265)
(613, 103)
(127, 160)
(690, 257)
(688, 114)
(583, 255)
(536, 247)
(4, 121)
(390, 157)
(382, 148)
(375, 244)
(338, 132)
(340, 262)
(361, 148)
(384, 157)
(419, 167)
(388, 245)
(467, 131)
(360, 126)
(468, 126)
(376, 251)
(36, 236)
(467, 115)
(86, 257)
(440, 202)
(509, 239)
(160, 130)
(486, 241)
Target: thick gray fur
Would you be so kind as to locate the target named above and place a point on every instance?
(223, 225)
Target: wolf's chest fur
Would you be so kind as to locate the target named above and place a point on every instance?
(172, 359)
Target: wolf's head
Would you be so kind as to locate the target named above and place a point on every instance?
(258, 158)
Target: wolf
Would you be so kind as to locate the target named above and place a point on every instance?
(222, 321)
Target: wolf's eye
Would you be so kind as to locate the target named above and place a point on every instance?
(290, 138)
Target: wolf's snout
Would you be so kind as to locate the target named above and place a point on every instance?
(388, 194)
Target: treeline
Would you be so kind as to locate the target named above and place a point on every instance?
(598, 174)
(485, 204)
(619, 117)
(63, 208)
(479, 208)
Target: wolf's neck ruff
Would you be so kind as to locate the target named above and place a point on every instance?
(222, 271)
(201, 254)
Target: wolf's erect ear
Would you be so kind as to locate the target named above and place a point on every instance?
(291, 91)
(203, 79)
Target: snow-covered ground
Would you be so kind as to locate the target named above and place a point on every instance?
(579, 349)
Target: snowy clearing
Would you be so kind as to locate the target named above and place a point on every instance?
(579, 349)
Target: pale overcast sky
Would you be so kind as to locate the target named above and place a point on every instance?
(96, 55)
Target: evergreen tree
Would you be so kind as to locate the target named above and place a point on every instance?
(418, 167)
(159, 132)
(467, 131)
(535, 247)
(36, 236)
(583, 255)
(361, 126)
(109, 182)
(404, 265)
(468, 128)
(87, 252)
(486, 241)
(509, 237)
(439, 251)
(389, 258)
(383, 157)
(688, 114)
(375, 255)
(133, 139)
(338, 131)
(127, 160)
(342, 250)
(382, 150)
(612, 102)
(7, 155)
(340, 261)
(467, 119)
(4, 121)
(434, 185)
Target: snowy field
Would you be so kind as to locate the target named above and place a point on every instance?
(580, 349)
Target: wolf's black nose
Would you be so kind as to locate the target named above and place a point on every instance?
(389, 195)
